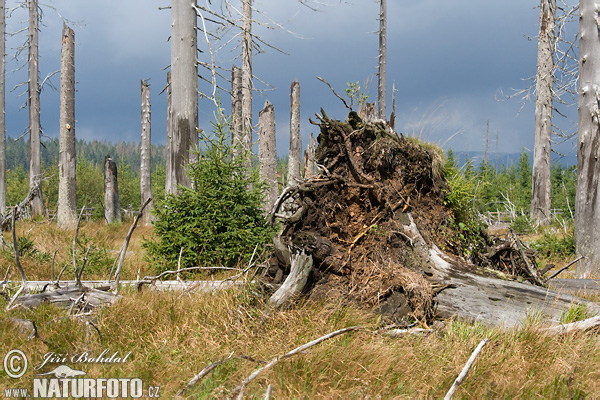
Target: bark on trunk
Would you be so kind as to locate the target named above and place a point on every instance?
(382, 58)
(184, 86)
(587, 201)
(268, 153)
(35, 168)
(112, 205)
(168, 182)
(236, 112)
(311, 164)
(294, 153)
(66, 214)
(145, 182)
(247, 80)
(2, 107)
(540, 198)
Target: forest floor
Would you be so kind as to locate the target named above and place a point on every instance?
(172, 336)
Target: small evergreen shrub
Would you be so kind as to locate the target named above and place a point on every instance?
(217, 222)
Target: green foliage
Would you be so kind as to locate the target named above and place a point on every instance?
(355, 95)
(555, 245)
(522, 224)
(577, 312)
(218, 221)
(459, 198)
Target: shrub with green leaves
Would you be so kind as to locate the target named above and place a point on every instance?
(217, 222)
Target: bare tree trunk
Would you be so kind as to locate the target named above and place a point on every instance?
(267, 154)
(35, 167)
(247, 80)
(311, 164)
(540, 196)
(112, 205)
(2, 107)
(382, 58)
(184, 86)
(294, 153)
(145, 182)
(66, 214)
(587, 200)
(168, 176)
(236, 112)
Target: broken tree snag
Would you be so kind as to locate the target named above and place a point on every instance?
(295, 281)
(380, 234)
(66, 213)
(267, 154)
(236, 112)
(145, 182)
(112, 206)
(294, 152)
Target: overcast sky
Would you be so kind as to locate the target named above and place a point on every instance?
(448, 59)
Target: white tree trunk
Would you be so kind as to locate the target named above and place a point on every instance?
(184, 87)
(66, 214)
(247, 80)
(587, 201)
(237, 125)
(168, 181)
(541, 189)
(145, 182)
(2, 107)
(267, 154)
(112, 205)
(382, 58)
(35, 165)
(294, 153)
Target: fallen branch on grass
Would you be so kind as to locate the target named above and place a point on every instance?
(573, 326)
(465, 370)
(239, 391)
(197, 378)
(149, 280)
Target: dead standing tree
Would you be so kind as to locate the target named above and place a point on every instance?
(2, 107)
(35, 169)
(294, 153)
(247, 80)
(145, 182)
(112, 205)
(268, 154)
(236, 111)
(540, 199)
(66, 214)
(382, 58)
(587, 199)
(184, 89)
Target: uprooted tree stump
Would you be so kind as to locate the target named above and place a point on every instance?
(377, 228)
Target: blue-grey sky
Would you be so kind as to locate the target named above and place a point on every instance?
(448, 59)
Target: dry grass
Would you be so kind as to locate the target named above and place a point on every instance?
(172, 336)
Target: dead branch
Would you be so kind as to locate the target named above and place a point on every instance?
(149, 280)
(240, 389)
(573, 326)
(75, 247)
(197, 378)
(16, 248)
(465, 370)
(530, 268)
(295, 281)
(126, 244)
(334, 92)
(554, 275)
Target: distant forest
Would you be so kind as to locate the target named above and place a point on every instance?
(123, 153)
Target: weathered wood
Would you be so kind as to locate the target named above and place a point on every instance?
(236, 112)
(184, 87)
(381, 87)
(35, 127)
(66, 213)
(112, 205)
(587, 197)
(247, 80)
(145, 181)
(295, 281)
(573, 326)
(465, 370)
(294, 152)
(267, 154)
(574, 286)
(64, 297)
(2, 106)
(474, 296)
(162, 286)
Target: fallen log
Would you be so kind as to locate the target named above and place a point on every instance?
(200, 286)
(575, 286)
(88, 298)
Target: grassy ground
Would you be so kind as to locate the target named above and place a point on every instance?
(173, 336)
